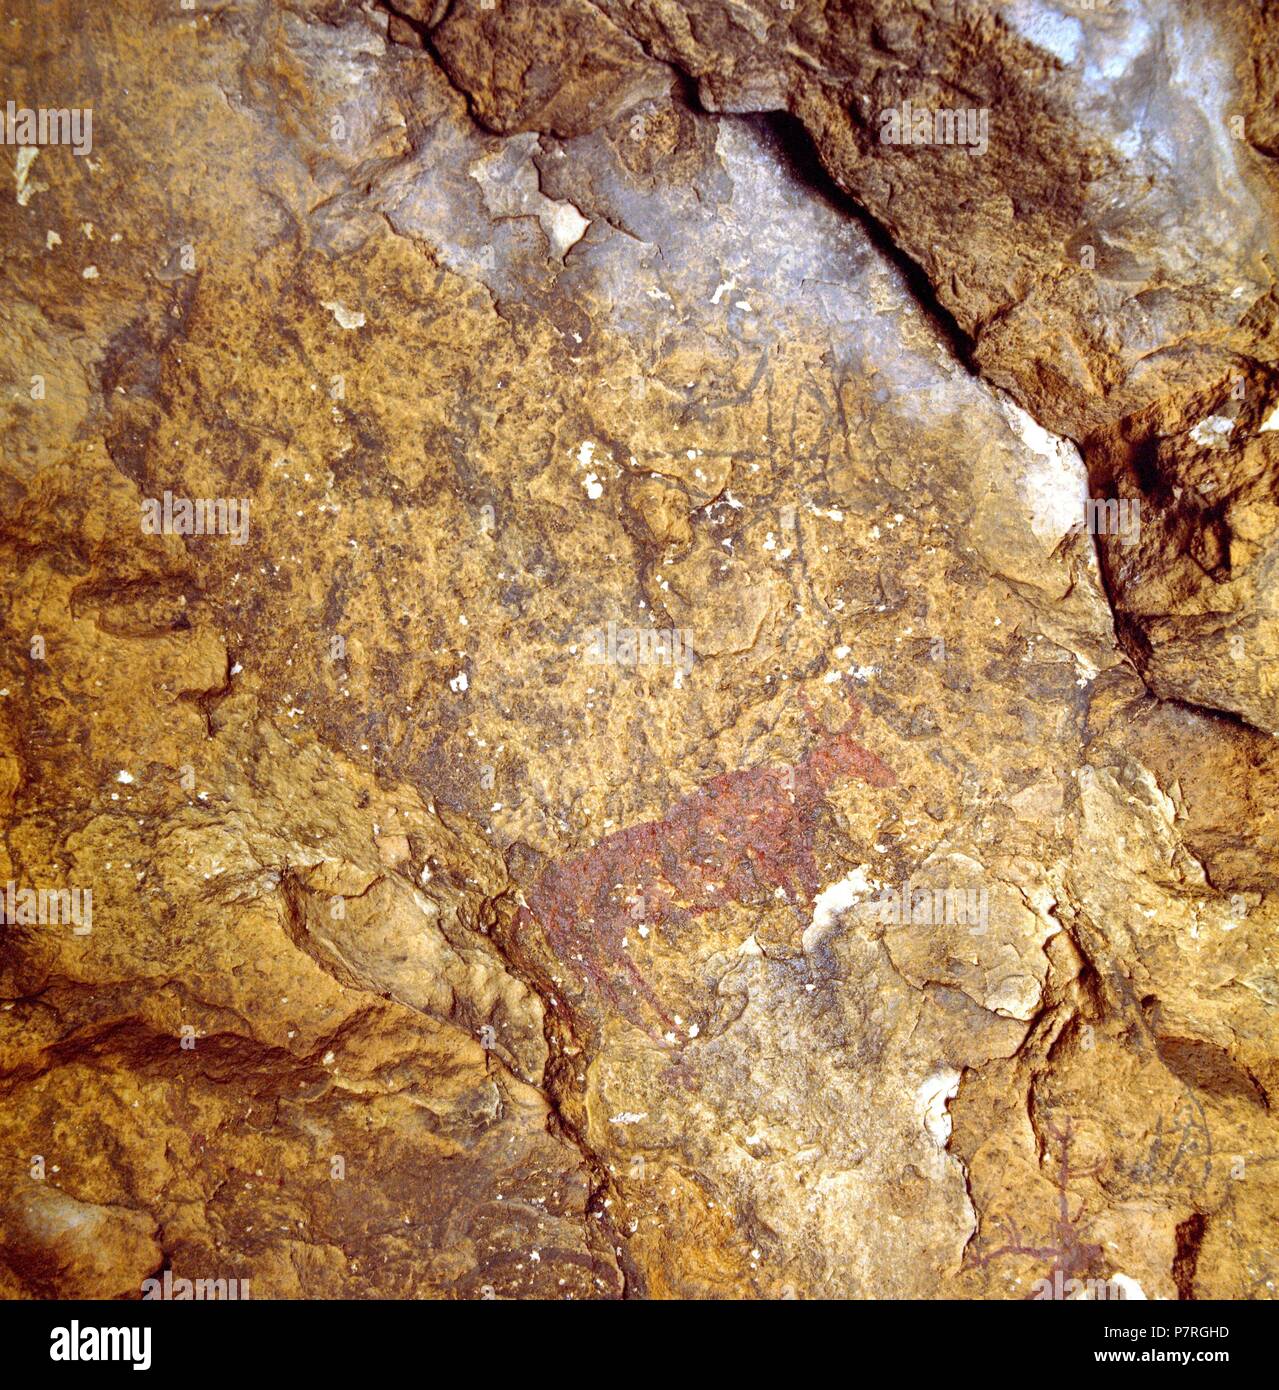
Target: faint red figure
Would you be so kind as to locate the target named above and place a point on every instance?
(740, 837)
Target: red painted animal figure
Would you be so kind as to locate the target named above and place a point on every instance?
(741, 837)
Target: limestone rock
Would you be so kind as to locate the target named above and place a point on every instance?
(655, 774)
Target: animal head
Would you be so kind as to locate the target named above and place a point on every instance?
(839, 754)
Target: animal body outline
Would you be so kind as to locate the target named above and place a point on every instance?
(742, 836)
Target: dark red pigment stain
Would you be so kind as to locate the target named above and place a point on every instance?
(1072, 1258)
(739, 837)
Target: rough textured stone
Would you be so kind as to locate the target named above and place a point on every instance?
(431, 956)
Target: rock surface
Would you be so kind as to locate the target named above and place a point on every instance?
(722, 744)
